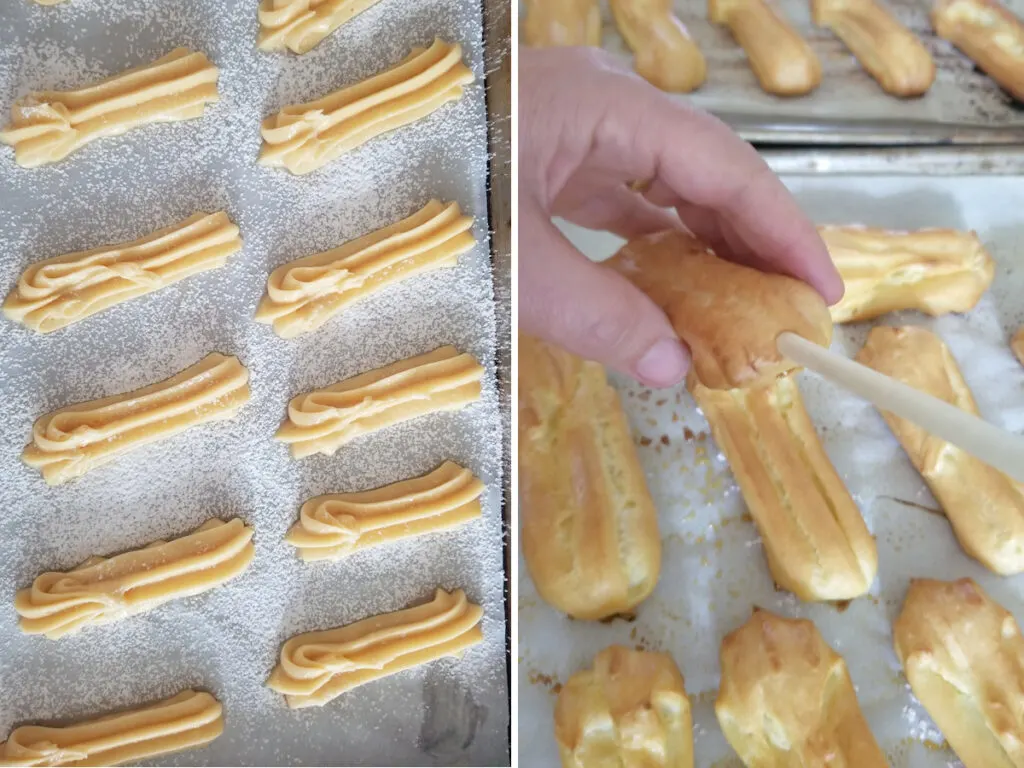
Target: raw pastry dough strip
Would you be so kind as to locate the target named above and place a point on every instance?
(49, 2)
(989, 34)
(71, 441)
(49, 125)
(317, 667)
(786, 698)
(935, 271)
(562, 23)
(984, 506)
(304, 137)
(664, 53)
(304, 294)
(964, 658)
(1017, 345)
(815, 539)
(323, 420)
(189, 720)
(331, 527)
(57, 292)
(102, 590)
(300, 25)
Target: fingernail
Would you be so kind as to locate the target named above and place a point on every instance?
(664, 364)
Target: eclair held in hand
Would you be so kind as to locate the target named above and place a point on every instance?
(786, 699)
(562, 23)
(783, 62)
(984, 506)
(963, 655)
(664, 54)
(889, 51)
(935, 271)
(990, 35)
(589, 526)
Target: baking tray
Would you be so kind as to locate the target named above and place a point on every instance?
(713, 569)
(227, 641)
(963, 106)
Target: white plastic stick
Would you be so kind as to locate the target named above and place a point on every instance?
(992, 445)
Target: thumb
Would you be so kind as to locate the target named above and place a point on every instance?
(592, 311)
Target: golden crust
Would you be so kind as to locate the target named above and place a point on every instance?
(935, 271)
(786, 699)
(664, 53)
(562, 23)
(783, 62)
(984, 506)
(631, 709)
(728, 314)
(964, 658)
(589, 527)
(300, 25)
(889, 51)
(989, 34)
(814, 537)
(1017, 345)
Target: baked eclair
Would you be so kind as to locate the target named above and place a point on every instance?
(728, 314)
(562, 23)
(984, 506)
(783, 62)
(664, 53)
(889, 51)
(786, 699)
(990, 35)
(631, 709)
(589, 527)
(963, 655)
(935, 271)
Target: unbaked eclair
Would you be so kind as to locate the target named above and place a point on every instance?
(664, 53)
(562, 23)
(990, 35)
(1017, 345)
(984, 506)
(935, 271)
(589, 526)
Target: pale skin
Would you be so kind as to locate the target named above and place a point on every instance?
(588, 128)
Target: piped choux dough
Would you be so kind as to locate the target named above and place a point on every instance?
(304, 294)
(630, 709)
(1017, 345)
(304, 137)
(73, 440)
(190, 720)
(57, 292)
(47, 126)
(589, 527)
(325, 419)
(783, 62)
(889, 51)
(49, 2)
(984, 506)
(106, 589)
(664, 54)
(935, 271)
(990, 35)
(728, 314)
(814, 537)
(562, 23)
(786, 699)
(963, 655)
(300, 25)
(317, 667)
(331, 527)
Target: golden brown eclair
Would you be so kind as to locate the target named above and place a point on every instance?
(1017, 345)
(783, 62)
(589, 527)
(990, 35)
(889, 51)
(935, 271)
(728, 314)
(786, 699)
(964, 657)
(815, 539)
(664, 53)
(562, 23)
(631, 709)
(984, 506)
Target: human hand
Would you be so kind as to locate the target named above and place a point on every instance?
(587, 129)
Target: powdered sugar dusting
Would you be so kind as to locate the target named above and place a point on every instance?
(122, 188)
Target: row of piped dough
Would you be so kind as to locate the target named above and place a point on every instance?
(301, 295)
(47, 126)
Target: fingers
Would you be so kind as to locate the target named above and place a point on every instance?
(595, 201)
(591, 311)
